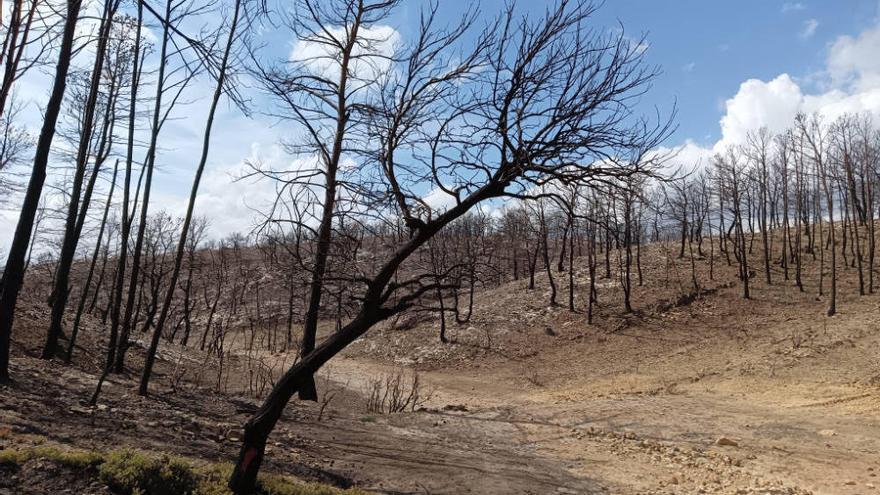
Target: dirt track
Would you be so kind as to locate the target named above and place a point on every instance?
(642, 410)
(528, 399)
(628, 443)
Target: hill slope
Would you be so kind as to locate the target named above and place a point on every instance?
(696, 391)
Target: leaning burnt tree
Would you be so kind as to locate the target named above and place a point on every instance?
(334, 64)
(542, 100)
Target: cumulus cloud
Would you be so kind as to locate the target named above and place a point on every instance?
(771, 104)
(792, 7)
(236, 198)
(372, 53)
(228, 200)
(853, 61)
(774, 104)
(851, 85)
(853, 74)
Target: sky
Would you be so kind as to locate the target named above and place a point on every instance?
(727, 67)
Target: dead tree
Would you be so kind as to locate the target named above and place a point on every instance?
(758, 151)
(219, 89)
(25, 45)
(171, 81)
(549, 93)
(731, 184)
(87, 284)
(844, 143)
(816, 136)
(77, 203)
(782, 169)
(13, 273)
(323, 90)
(867, 140)
(127, 212)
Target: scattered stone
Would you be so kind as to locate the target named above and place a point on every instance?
(455, 407)
(849, 482)
(80, 410)
(827, 433)
(726, 442)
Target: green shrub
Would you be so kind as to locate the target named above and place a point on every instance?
(213, 479)
(135, 473)
(131, 472)
(79, 459)
(270, 484)
(11, 457)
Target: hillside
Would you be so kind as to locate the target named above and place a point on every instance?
(705, 393)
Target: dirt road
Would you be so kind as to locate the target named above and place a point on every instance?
(713, 435)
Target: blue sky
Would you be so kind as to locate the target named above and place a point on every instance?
(708, 48)
(729, 66)
(705, 49)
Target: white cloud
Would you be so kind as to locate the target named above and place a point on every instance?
(792, 7)
(854, 61)
(231, 196)
(809, 29)
(439, 200)
(851, 85)
(772, 104)
(684, 159)
(835, 103)
(689, 67)
(8, 222)
(376, 45)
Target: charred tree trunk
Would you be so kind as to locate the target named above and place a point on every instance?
(88, 282)
(181, 244)
(13, 273)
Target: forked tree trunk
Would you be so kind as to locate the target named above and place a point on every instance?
(325, 229)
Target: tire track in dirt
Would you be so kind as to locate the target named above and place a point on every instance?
(661, 443)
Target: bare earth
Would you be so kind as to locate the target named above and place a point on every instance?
(715, 395)
(721, 396)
